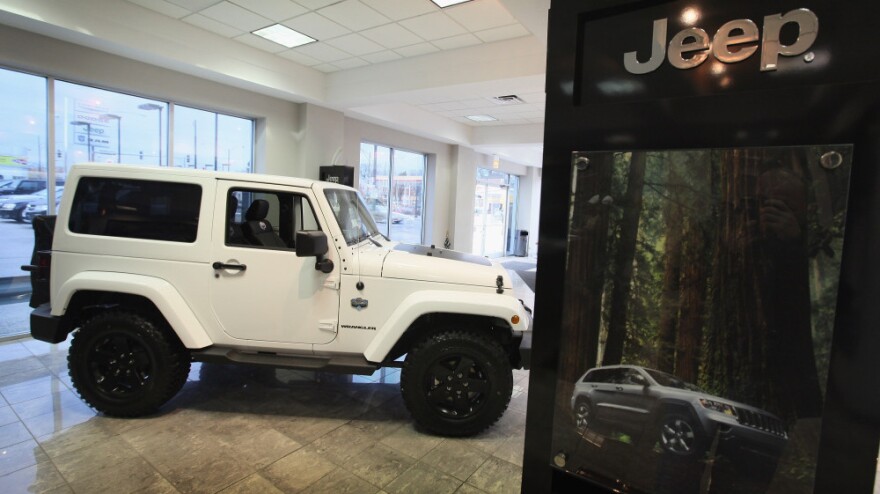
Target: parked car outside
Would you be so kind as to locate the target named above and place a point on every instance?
(13, 207)
(40, 206)
(24, 186)
(678, 416)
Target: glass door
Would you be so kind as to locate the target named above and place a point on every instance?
(493, 203)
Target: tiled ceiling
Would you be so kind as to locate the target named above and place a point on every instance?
(351, 34)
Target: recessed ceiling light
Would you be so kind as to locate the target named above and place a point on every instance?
(284, 36)
(481, 118)
(448, 3)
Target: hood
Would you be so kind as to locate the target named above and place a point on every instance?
(423, 263)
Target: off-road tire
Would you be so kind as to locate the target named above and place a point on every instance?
(456, 383)
(123, 364)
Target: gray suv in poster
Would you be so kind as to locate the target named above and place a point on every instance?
(675, 415)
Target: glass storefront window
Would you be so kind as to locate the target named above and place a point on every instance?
(22, 126)
(93, 124)
(392, 182)
(23, 171)
(211, 141)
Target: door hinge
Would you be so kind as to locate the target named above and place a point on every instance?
(331, 284)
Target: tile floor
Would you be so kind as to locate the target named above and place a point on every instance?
(236, 429)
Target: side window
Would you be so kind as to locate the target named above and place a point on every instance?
(598, 376)
(267, 219)
(31, 186)
(114, 207)
(633, 377)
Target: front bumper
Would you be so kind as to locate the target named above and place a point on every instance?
(748, 443)
(46, 327)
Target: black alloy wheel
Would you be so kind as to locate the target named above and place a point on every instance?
(122, 364)
(457, 386)
(457, 383)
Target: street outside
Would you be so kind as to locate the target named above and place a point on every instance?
(18, 243)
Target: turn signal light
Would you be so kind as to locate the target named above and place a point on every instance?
(515, 319)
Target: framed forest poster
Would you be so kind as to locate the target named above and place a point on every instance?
(699, 306)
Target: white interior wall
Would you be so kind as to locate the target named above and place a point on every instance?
(320, 139)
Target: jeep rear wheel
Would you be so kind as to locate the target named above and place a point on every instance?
(122, 364)
(457, 383)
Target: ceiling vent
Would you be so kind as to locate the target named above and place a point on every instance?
(510, 99)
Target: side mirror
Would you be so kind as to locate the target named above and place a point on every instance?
(314, 244)
(311, 243)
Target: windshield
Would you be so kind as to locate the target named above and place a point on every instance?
(351, 214)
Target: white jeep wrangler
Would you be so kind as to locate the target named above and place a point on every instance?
(152, 268)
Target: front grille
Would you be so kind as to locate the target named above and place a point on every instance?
(761, 421)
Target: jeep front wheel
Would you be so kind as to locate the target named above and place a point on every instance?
(122, 364)
(456, 383)
(583, 415)
(679, 435)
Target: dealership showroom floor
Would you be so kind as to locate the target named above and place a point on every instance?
(244, 429)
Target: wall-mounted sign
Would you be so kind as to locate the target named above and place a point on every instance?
(691, 49)
(734, 42)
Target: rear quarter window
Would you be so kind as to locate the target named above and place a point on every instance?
(114, 207)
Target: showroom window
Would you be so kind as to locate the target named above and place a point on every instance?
(392, 182)
(23, 153)
(90, 124)
(212, 141)
(93, 124)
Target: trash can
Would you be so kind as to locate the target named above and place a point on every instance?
(522, 243)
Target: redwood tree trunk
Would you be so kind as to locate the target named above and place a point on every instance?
(623, 259)
(668, 324)
(585, 273)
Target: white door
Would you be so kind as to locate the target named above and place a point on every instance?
(261, 290)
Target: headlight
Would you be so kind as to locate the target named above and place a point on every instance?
(8, 205)
(717, 406)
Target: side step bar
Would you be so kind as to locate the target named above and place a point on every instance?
(339, 364)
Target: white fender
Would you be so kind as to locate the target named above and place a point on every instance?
(181, 318)
(449, 302)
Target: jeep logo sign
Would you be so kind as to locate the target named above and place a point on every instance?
(734, 42)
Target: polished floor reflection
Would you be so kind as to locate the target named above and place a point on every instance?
(241, 429)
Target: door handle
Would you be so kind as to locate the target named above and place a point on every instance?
(237, 267)
(619, 388)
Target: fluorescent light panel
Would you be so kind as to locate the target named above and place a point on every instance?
(481, 118)
(448, 3)
(284, 36)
